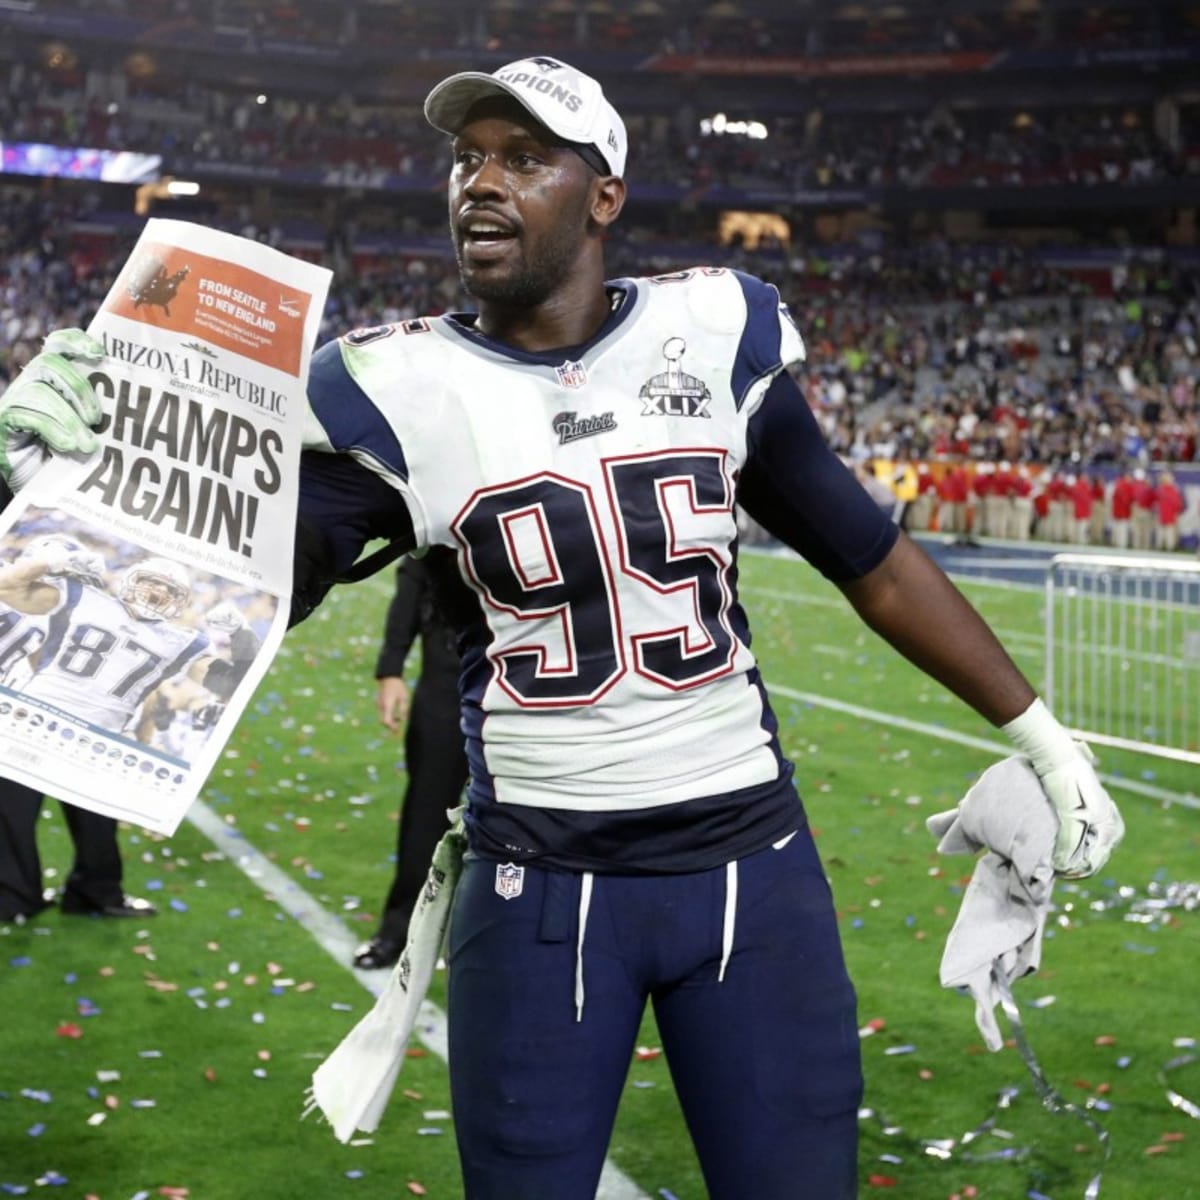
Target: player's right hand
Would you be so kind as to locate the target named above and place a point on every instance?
(391, 701)
(49, 407)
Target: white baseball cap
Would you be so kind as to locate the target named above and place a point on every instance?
(568, 102)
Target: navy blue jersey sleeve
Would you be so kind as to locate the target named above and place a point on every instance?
(769, 338)
(343, 506)
(350, 418)
(797, 489)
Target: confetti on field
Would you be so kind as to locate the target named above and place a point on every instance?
(414, 1187)
(68, 1029)
(645, 1053)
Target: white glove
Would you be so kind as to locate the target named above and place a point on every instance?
(1089, 825)
(50, 406)
(225, 618)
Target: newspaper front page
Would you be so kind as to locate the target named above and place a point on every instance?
(144, 591)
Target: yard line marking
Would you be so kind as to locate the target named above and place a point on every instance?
(338, 942)
(1003, 749)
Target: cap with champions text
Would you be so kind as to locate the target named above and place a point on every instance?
(568, 102)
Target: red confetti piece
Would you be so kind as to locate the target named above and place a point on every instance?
(925, 1073)
(646, 1052)
(210, 1074)
(1159, 1149)
(176, 1193)
(1173, 1137)
(264, 1055)
(69, 1029)
(415, 1188)
(882, 1181)
(1106, 1039)
(415, 1052)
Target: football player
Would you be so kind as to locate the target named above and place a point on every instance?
(574, 450)
(104, 654)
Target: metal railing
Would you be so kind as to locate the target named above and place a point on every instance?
(1123, 651)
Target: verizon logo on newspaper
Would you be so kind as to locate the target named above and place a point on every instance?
(144, 592)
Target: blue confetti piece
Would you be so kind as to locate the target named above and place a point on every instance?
(234, 912)
(857, 923)
(70, 977)
(53, 1179)
(355, 1174)
(1033, 1195)
(42, 1097)
(36, 1130)
(178, 905)
(22, 961)
(153, 885)
(13, 1189)
(1124, 1061)
(667, 1194)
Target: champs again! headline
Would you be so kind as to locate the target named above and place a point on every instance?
(152, 429)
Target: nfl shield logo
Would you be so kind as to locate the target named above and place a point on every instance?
(510, 880)
(572, 374)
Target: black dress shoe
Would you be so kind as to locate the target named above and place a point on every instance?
(378, 952)
(127, 906)
(20, 916)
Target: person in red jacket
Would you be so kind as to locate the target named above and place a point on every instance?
(1120, 511)
(1099, 508)
(1058, 515)
(1168, 504)
(1143, 511)
(952, 515)
(920, 511)
(1080, 491)
(983, 485)
(1023, 505)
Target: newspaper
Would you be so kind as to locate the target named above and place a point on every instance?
(144, 591)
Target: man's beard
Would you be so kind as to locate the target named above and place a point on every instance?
(534, 280)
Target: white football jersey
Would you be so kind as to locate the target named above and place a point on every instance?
(21, 636)
(99, 661)
(589, 499)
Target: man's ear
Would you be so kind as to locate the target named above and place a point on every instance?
(608, 198)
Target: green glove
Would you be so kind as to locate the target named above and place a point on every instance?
(50, 406)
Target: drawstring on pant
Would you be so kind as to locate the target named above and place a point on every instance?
(731, 886)
(585, 902)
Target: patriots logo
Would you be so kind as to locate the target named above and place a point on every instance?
(546, 64)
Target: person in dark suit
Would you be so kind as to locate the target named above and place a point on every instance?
(93, 887)
(435, 757)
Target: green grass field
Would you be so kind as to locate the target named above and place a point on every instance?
(169, 1058)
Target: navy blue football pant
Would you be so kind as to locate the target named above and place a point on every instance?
(765, 1062)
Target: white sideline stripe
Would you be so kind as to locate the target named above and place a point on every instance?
(338, 942)
(1002, 749)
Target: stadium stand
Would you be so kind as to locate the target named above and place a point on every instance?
(984, 218)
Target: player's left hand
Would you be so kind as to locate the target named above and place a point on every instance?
(50, 406)
(1089, 824)
(225, 618)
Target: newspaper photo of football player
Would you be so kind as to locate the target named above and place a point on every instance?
(123, 641)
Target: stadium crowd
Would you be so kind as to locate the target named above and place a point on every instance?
(939, 352)
(668, 26)
(194, 125)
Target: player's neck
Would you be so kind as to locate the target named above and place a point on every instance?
(571, 317)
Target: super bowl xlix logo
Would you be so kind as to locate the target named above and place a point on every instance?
(675, 393)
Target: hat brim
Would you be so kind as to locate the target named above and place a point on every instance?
(446, 107)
